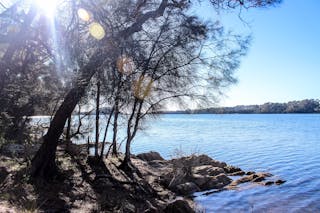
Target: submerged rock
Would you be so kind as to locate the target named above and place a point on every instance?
(239, 173)
(250, 173)
(279, 182)
(150, 156)
(255, 177)
(268, 183)
(258, 179)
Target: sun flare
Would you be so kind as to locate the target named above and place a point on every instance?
(96, 31)
(48, 7)
(83, 14)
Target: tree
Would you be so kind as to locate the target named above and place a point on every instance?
(124, 20)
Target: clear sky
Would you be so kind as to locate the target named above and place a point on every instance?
(283, 62)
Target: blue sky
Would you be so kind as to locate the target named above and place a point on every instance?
(283, 62)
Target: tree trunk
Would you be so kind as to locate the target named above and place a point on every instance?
(115, 128)
(105, 134)
(68, 135)
(126, 164)
(43, 163)
(127, 157)
(96, 147)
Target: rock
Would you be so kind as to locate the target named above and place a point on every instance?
(231, 169)
(157, 163)
(179, 206)
(222, 178)
(255, 177)
(198, 160)
(172, 179)
(239, 173)
(263, 174)
(258, 179)
(187, 188)
(3, 174)
(268, 183)
(206, 182)
(149, 156)
(217, 182)
(207, 170)
(250, 173)
(279, 182)
(244, 179)
(201, 180)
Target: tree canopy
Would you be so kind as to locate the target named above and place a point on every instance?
(142, 52)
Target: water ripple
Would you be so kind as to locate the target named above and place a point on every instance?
(285, 145)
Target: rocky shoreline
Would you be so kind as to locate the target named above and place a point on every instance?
(92, 185)
(197, 173)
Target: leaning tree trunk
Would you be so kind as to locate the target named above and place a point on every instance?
(43, 163)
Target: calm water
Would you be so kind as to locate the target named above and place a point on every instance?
(285, 145)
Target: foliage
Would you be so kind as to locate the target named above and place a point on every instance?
(303, 106)
(28, 80)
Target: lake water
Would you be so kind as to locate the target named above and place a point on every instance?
(285, 145)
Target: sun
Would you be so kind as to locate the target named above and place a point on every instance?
(48, 7)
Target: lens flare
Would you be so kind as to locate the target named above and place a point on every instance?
(47, 6)
(142, 87)
(96, 31)
(125, 65)
(83, 14)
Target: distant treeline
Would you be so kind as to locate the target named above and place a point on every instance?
(303, 106)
